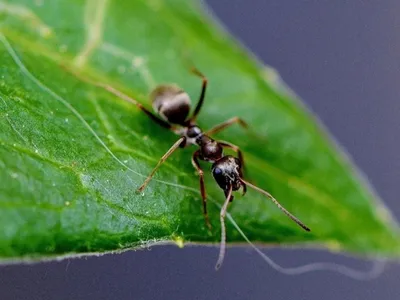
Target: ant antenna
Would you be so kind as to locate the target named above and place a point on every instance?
(222, 248)
(298, 222)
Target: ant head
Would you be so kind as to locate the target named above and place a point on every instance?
(171, 103)
(227, 172)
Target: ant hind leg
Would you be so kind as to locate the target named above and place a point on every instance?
(120, 95)
(160, 162)
(202, 94)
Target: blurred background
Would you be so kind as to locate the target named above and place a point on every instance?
(343, 59)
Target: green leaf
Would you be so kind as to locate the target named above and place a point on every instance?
(72, 154)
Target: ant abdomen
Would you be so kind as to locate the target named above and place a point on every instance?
(171, 103)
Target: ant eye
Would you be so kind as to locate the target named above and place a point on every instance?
(217, 171)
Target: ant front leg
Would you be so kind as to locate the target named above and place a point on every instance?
(226, 124)
(202, 94)
(200, 171)
(160, 162)
(240, 156)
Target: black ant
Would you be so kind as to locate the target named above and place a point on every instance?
(172, 105)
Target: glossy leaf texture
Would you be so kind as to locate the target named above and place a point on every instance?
(72, 155)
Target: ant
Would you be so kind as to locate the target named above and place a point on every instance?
(172, 105)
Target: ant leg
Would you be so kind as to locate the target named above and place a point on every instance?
(240, 156)
(202, 94)
(228, 194)
(226, 124)
(234, 148)
(199, 170)
(160, 162)
(122, 96)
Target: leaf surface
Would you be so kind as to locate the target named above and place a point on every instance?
(72, 154)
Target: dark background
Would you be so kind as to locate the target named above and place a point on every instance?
(342, 58)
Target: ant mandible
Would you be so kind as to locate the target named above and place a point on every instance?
(172, 106)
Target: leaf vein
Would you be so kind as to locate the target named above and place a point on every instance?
(94, 16)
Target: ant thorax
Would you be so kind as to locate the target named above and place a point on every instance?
(210, 150)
